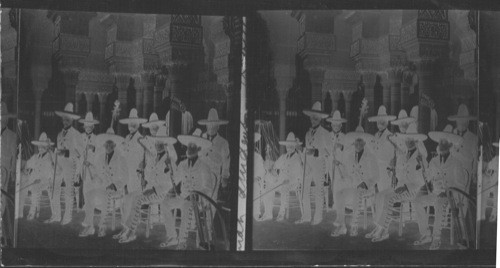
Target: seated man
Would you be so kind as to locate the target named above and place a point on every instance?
(410, 179)
(193, 175)
(159, 182)
(110, 172)
(359, 168)
(39, 175)
(444, 171)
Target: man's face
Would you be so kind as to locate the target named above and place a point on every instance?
(444, 146)
(382, 124)
(154, 129)
(42, 149)
(133, 127)
(160, 147)
(290, 148)
(192, 150)
(410, 143)
(336, 127)
(359, 145)
(462, 125)
(109, 146)
(403, 127)
(67, 122)
(88, 128)
(315, 120)
(212, 129)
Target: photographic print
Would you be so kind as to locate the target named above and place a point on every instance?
(366, 130)
(124, 128)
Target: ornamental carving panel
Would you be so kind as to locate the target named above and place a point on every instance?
(187, 19)
(149, 29)
(433, 30)
(355, 48)
(394, 43)
(73, 43)
(369, 46)
(108, 51)
(434, 15)
(124, 49)
(162, 36)
(318, 41)
(221, 63)
(147, 46)
(185, 34)
(95, 76)
(408, 32)
(222, 48)
(432, 51)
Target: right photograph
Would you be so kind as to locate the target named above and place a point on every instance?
(369, 130)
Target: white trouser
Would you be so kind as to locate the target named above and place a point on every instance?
(67, 175)
(318, 177)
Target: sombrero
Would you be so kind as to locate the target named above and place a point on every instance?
(403, 118)
(336, 118)
(462, 114)
(316, 111)
(412, 133)
(89, 119)
(196, 139)
(381, 115)
(358, 134)
(162, 136)
(133, 118)
(68, 112)
(109, 135)
(153, 120)
(5, 111)
(414, 112)
(291, 140)
(446, 134)
(43, 141)
(213, 119)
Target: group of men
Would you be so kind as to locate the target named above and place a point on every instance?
(363, 170)
(125, 173)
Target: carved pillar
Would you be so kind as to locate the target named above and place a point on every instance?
(78, 97)
(348, 99)
(176, 77)
(148, 85)
(89, 97)
(103, 97)
(335, 99)
(395, 90)
(159, 87)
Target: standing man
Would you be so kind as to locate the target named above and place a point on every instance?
(69, 151)
(337, 142)
(381, 147)
(444, 171)
(89, 153)
(466, 152)
(359, 170)
(317, 150)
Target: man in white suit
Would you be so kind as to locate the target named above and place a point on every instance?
(337, 142)
(89, 152)
(467, 151)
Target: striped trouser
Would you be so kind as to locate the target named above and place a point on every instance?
(102, 200)
(185, 206)
(346, 195)
(134, 217)
(385, 202)
(440, 210)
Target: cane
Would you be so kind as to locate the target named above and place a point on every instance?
(54, 178)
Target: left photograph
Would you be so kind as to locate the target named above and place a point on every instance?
(119, 131)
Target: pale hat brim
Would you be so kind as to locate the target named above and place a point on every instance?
(439, 135)
(353, 136)
(462, 117)
(336, 120)
(104, 137)
(165, 139)
(156, 122)
(42, 143)
(133, 120)
(311, 113)
(290, 143)
(213, 122)
(88, 122)
(377, 118)
(415, 136)
(199, 141)
(403, 120)
(67, 114)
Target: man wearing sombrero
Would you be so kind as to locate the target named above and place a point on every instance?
(219, 144)
(89, 138)
(467, 152)
(317, 150)
(359, 170)
(110, 174)
(382, 148)
(38, 174)
(147, 141)
(337, 142)
(159, 181)
(133, 151)
(288, 168)
(490, 188)
(70, 149)
(444, 171)
(193, 175)
(410, 170)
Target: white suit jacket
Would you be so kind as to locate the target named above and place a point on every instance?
(291, 167)
(221, 146)
(448, 174)
(159, 176)
(410, 172)
(134, 154)
(197, 177)
(366, 170)
(115, 172)
(319, 139)
(382, 149)
(467, 152)
(71, 141)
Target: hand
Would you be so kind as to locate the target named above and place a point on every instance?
(310, 151)
(362, 186)
(112, 187)
(401, 189)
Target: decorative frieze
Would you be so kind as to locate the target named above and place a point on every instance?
(434, 30)
(316, 43)
(71, 44)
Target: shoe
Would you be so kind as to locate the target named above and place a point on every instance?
(120, 234)
(302, 221)
(31, 216)
(372, 233)
(102, 231)
(65, 221)
(265, 218)
(53, 219)
(383, 235)
(169, 243)
(353, 231)
(87, 232)
(316, 221)
(182, 245)
(436, 243)
(127, 239)
(280, 217)
(342, 230)
(425, 239)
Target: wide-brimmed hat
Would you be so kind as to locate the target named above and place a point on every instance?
(291, 140)
(5, 111)
(196, 139)
(403, 118)
(213, 119)
(359, 133)
(109, 135)
(43, 141)
(133, 118)
(163, 137)
(412, 133)
(381, 115)
(336, 118)
(462, 114)
(446, 134)
(414, 112)
(89, 119)
(153, 120)
(316, 111)
(68, 112)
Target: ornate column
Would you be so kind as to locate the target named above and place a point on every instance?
(90, 102)
(348, 98)
(335, 99)
(284, 82)
(78, 97)
(395, 76)
(425, 39)
(40, 76)
(147, 82)
(159, 87)
(103, 97)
